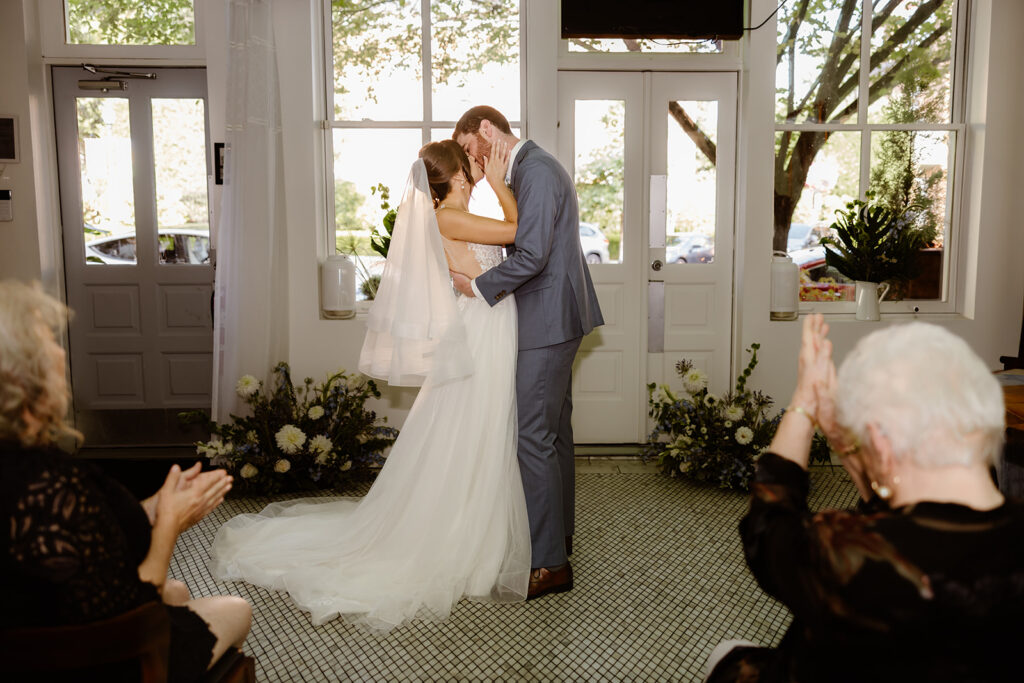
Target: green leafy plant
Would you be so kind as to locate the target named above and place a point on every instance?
(714, 439)
(370, 286)
(308, 437)
(380, 241)
(875, 243)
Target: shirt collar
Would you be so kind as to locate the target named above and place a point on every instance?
(512, 160)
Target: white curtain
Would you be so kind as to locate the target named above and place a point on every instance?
(251, 288)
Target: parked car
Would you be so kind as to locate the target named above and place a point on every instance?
(178, 245)
(595, 244)
(683, 248)
(702, 255)
(801, 236)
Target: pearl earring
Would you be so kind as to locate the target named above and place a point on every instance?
(881, 490)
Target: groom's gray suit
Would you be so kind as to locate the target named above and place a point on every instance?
(557, 306)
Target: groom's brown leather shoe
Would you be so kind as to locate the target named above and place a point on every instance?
(554, 580)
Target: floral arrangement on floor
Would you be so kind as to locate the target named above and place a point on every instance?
(714, 439)
(313, 436)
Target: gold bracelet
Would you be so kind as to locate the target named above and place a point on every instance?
(805, 413)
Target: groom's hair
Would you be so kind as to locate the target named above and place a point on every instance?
(470, 121)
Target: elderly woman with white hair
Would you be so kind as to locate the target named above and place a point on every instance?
(925, 580)
(75, 546)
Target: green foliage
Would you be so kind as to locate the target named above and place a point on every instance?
(131, 22)
(873, 243)
(381, 241)
(310, 437)
(347, 203)
(370, 286)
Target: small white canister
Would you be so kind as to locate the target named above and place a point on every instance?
(785, 287)
(338, 287)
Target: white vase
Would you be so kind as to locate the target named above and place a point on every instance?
(338, 287)
(868, 296)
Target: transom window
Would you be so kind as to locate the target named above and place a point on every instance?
(401, 73)
(868, 99)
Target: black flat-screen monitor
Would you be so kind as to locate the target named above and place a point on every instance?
(681, 19)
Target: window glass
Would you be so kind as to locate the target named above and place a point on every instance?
(485, 69)
(179, 156)
(600, 128)
(818, 61)
(911, 76)
(377, 60)
(692, 183)
(105, 162)
(130, 22)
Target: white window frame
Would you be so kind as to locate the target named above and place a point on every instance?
(952, 237)
(428, 124)
(56, 49)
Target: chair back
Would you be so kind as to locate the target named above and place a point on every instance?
(143, 635)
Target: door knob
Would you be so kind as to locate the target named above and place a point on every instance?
(656, 264)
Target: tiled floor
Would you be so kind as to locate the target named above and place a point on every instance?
(660, 580)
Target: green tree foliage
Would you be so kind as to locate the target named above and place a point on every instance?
(897, 177)
(347, 203)
(600, 181)
(131, 22)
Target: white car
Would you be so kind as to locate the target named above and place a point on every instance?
(594, 243)
(177, 245)
(678, 247)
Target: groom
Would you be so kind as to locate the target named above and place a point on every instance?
(557, 306)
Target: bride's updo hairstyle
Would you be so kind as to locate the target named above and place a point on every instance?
(444, 160)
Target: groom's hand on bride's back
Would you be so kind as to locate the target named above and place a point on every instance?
(462, 283)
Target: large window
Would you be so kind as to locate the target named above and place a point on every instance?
(402, 73)
(868, 99)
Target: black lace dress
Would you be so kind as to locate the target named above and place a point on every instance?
(73, 541)
(926, 592)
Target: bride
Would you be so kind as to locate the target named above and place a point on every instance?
(446, 516)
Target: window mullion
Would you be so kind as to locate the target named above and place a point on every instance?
(428, 103)
(864, 96)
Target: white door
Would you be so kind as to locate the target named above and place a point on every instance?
(653, 156)
(134, 168)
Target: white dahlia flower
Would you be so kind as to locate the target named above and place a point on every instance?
(247, 386)
(290, 439)
(744, 435)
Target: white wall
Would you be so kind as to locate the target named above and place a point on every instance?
(996, 144)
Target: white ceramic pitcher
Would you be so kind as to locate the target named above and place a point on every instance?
(869, 295)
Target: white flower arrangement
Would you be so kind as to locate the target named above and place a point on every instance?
(298, 437)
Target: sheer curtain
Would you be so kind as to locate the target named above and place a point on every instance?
(251, 288)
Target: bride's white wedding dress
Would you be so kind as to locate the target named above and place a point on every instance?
(445, 518)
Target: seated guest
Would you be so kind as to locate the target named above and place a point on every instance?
(76, 546)
(925, 580)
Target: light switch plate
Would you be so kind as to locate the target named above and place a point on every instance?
(6, 206)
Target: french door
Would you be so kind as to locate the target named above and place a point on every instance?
(134, 183)
(653, 156)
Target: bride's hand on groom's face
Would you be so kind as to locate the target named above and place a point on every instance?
(496, 164)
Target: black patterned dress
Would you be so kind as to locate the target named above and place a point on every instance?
(72, 543)
(925, 592)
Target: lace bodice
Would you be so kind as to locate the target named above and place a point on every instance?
(74, 541)
(487, 255)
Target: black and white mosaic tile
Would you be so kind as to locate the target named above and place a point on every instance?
(659, 581)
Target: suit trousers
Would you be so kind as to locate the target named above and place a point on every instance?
(546, 455)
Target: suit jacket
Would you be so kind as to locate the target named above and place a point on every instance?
(546, 268)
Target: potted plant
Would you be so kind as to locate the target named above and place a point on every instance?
(876, 247)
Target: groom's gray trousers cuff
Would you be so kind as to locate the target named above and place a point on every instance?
(544, 402)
